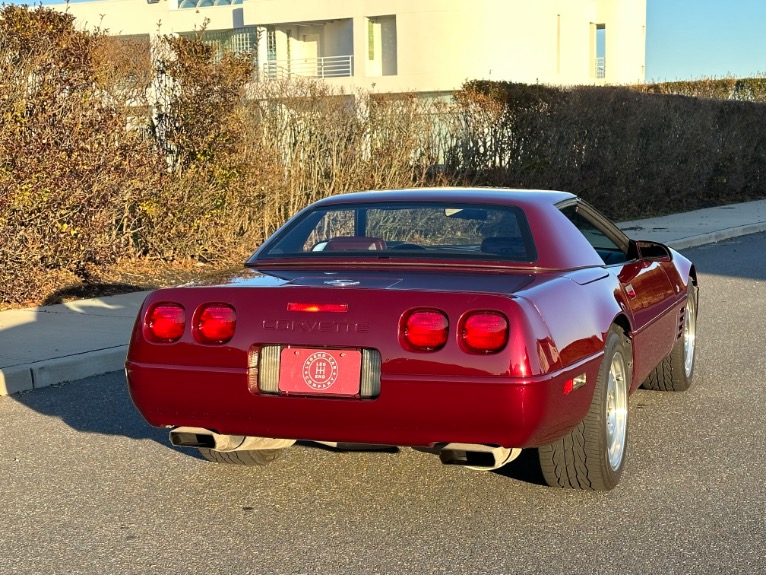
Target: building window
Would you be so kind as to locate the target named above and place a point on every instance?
(370, 39)
(206, 3)
(600, 51)
(237, 40)
(271, 44)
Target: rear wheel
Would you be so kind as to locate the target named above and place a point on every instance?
(242, 457)
(676, 371)
(592, 456)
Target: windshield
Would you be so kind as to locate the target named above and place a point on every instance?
(431, 230)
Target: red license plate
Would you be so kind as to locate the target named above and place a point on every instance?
(320, 371)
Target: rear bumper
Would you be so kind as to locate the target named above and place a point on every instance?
(410, 410)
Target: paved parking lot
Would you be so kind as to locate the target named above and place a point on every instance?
(88, 487)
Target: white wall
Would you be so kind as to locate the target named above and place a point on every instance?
(122, 17)
(338, 38)
(439, 43)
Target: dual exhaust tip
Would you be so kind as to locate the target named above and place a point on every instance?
(475, 456)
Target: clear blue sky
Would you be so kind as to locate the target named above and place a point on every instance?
(691, 39)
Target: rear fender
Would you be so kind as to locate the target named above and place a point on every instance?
(578, 316)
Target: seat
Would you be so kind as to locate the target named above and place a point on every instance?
(354, 243)
(504, 246)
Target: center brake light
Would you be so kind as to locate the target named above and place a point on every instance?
(484, 332)
(215, 323)
(425, 330)
(317, 307)
(165, 323)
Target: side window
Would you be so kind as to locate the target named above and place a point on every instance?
(609, 251)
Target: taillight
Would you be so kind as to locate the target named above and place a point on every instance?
(425, 330)
(215, 323)
(165, 322)
(484, 332)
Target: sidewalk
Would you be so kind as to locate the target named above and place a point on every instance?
(49, 345)
(691, 229)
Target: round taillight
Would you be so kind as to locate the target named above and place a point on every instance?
(215, 323)
(485, 332)
(426, 330)
(165, 322)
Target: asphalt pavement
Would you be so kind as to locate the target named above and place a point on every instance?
(50, 345)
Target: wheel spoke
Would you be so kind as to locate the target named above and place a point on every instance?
(690, 334)
(616, 411)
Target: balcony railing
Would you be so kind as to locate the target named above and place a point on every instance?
(601, 68)
(326, 67)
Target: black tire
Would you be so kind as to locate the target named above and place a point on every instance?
(243, 457)
(592, 456)
(676, 371)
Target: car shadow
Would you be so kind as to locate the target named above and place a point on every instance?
(90, 290)
(99, 404)
(525, 468)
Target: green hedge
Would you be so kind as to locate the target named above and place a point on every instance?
(631, 153)
(744, 89)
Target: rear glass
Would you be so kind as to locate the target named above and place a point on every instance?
(408, 230)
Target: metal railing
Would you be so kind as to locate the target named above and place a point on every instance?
(326, 67)
(601, 68)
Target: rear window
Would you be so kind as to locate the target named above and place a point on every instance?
(431, 230)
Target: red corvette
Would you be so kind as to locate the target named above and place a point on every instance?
(470, 323)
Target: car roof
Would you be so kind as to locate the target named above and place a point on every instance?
(507, 196)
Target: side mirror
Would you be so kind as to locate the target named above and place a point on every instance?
(648, 250)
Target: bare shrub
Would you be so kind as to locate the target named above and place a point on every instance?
(111, 148)
(70, 171)
(316, 141)
(197, 98)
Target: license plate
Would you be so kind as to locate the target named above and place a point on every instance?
(320, 371)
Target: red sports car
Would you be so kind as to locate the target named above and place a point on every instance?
(470, 323)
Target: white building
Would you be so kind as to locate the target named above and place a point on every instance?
(405, 45)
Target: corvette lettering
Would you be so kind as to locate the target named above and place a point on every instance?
(315, 326)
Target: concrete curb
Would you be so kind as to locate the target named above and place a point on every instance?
(717, 236)
(61, 369)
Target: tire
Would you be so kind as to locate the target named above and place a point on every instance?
(592, 456)
(676, 371)
(243, 457)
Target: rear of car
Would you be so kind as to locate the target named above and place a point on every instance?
(353, 364)
(469, 323)
(375, 319)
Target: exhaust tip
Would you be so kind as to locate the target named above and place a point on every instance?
(467, 458)
(478, 457)
(191, 439)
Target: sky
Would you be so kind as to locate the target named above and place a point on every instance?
(692, 39)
